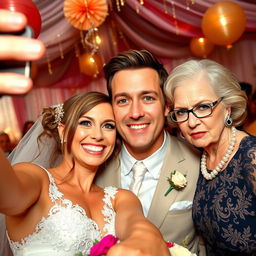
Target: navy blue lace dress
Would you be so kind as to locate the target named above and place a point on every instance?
(224, 209)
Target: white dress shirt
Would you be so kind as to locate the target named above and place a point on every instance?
(153, 164)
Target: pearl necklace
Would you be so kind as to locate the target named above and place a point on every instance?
(214, 173)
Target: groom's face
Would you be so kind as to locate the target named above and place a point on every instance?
(139, 110)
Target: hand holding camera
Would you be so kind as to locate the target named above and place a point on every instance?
(15, 46)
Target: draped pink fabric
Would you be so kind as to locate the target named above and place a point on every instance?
(164, 27)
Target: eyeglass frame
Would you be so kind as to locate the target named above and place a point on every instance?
(212, 105)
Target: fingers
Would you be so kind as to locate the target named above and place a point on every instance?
(12, 21)
(20, 48)
(16, 48)
(14, 84)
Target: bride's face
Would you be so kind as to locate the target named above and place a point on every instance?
(95, 135)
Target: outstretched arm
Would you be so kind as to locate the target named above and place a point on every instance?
(138, 236)
(16, 48)
(20, 186)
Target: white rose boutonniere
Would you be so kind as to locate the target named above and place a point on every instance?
(177, 181)
(178, 250)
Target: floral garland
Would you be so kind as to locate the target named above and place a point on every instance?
(101, 248)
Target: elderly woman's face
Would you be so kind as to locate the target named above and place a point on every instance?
(206, 131)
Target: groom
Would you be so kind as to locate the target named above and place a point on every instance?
(135, 83)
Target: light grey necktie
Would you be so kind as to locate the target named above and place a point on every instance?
(139, 170)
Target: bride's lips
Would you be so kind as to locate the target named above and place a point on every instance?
(197, 135)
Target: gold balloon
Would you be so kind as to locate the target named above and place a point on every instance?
(90, 65)
(201, 47)
(223, 23)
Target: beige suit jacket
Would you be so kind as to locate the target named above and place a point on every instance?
(175, 225)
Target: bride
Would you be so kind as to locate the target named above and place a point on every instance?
(59, 211)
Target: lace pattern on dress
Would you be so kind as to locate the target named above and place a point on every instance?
(224, 209)
(67, 229)
(108, 211)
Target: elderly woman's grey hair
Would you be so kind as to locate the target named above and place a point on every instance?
(223, 82)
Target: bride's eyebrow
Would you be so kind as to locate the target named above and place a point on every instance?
(93, 119)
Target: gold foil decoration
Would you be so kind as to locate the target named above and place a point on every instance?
(60, 47)
(187, 4)
(49, 65)
(118, 5)
(77, 50)
(176, 27)
(82, 38)
(165, 7)
(137, 8)
(173, 10)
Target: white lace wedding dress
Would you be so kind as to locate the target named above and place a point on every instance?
(66, 230)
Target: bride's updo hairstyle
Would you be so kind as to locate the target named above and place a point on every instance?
(68, 114)
(223, 82)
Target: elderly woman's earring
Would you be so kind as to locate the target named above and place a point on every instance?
(228, 121)
(181, 135)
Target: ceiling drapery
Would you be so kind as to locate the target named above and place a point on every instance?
(164, 27)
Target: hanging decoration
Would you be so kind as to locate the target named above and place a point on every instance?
(201, 47)
(90, 65)
(92, 40)
(29, 9)
(223, 23)
(85, 14)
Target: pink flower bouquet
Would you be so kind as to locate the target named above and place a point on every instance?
(101, 248)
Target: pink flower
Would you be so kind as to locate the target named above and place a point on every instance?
(169, 245)
(102, 247)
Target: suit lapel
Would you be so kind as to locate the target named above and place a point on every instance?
(160, 203)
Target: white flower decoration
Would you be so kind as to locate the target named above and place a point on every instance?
(177, 181)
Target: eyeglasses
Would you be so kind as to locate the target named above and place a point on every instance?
(201, 110)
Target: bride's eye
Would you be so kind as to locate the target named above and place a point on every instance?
(86, 123)
(109, 126)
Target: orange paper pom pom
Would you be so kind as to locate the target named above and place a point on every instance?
(85, 14)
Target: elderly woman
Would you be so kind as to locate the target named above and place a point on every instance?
(207, 104)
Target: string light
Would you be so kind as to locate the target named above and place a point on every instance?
(82, 38)
(137, 8)
(118, 6)
(77, 51)
(165, 7)
(176, 27)
(60, 47)
(173, 10)
(187, 4)
(49, 65)
(97, 39)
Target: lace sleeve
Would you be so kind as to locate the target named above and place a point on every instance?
(251, 163)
